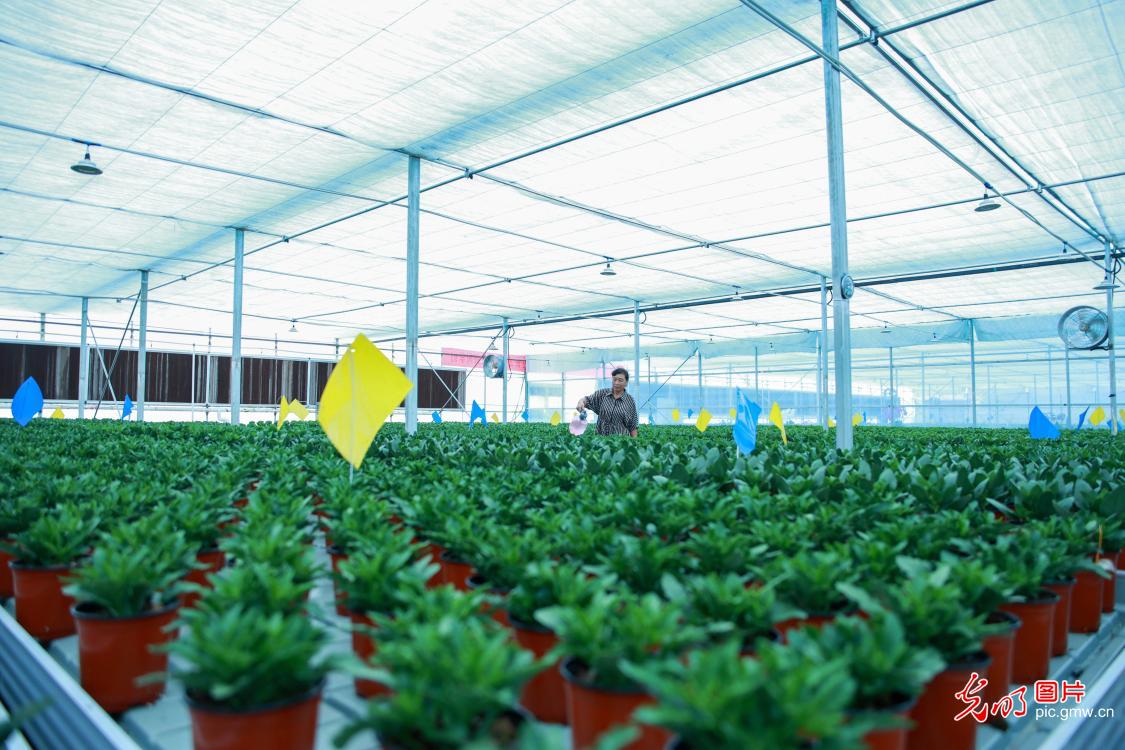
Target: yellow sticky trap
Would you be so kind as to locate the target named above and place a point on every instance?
(703, 420)
(1097, 416)
(283, 412)
(296, 407)
(775, 417)
(495, 418)
(856, 418)
(831, 422)
(675, 415)
(733, 413)
(555, 419)
(57, 414)
(362, 391)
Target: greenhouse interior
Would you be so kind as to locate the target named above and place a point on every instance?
(561, 375)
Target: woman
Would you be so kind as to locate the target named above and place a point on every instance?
(616, 410)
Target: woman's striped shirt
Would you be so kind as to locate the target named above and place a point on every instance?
(616, 416)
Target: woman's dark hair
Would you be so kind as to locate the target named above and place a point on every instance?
(620, 371)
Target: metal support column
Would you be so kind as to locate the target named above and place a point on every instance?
(308, 382)
(699, 373)
(84, 360)
(973, 367)
(1050, 382)
(142, 349)
(757, 391)
(562, 394)
(42, 326)
(922, 403)
(636, 375)
(891, 365)
(504, 378)
(236, 335)
(1111, 348)
(1066, 365)
(824, 351)
(193, 382)
(413, 179)
(838, 217)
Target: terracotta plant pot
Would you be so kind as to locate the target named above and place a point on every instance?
(114, 651)
(214, 559)
(813, 619)
(6, 589)
(336, 555)
(1031, 651)
(285, 725)
(454, 572)
(498, 613)
(1086, 602)
(364, 647)
(592, 711)
(1109, 585)
(895, 737)
(999, 649)
(544, 695)
(934, 714)
(1061, 627)
(42, 609)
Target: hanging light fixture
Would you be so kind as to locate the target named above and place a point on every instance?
(87, 165)
(886, 328)
(293, 326)
(608, 270)
(987, 204)
(1106, 284)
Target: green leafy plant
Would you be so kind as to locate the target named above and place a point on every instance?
(641, 562)
(726, 606)
(200, 516)
(255, 586)
(502, 555)
(242, 658)
(617, 627)
(135, 568)
(547, 584)
(809, 580)
(276, 545)
(57, 537)
(454, 681)
(384, 577)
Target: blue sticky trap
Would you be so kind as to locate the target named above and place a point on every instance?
(525, 416)
(689, 413)
(127, 409)
(746, 424)
(27, 402)
(436, 417)
(476, 413)
(1040, 427)
(651, 418)
(1082, 418)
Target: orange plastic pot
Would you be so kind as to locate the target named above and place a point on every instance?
(498, 614)
(934, 715)
(214, 559)
(286, 725)
(999, 649)
(1086, 602)
(592, 711)
(6, 589)
(1061, 626)
(544, 695)
(1031, 650)
(1109, 585)
(337, 556)
(364, 647)
(893, 738)
(454, 572)
(114, 651)
(814, 619)
(42, 609)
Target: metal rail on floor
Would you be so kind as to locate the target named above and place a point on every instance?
(71, 718)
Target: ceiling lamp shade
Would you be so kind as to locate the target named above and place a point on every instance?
(987, 204)
(86, 166)
(608, 271)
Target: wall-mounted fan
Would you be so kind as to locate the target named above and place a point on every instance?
(1084, 327)
(493, 366)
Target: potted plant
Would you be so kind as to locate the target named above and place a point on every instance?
(597, 639)
(728, 608)
(42, 555)
(888, 671)
(252, 679)
(500, 560)
(642, 562)
(1071, 544)
(378, 581)
(808, 581)
(17, 512)
(543, 585)
(275, 545)
(454, 682)
(200, 516)
(715, 700)
(255, 585)
(125, 597)
(934, 615)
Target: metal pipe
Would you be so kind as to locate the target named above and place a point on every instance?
(757, 390)
(891, 365)
(142, 350)
(84, 360)
(193, 382)
(973, 367)
(824, 350)
(1050, 381)
(699, 375)
(1066, 364)
(412, 253)
(922, 408)
(838, 216)
(562, 394)
(637, 342)
(43, 326)
(504, 374)
(1111, 343)
(236, 332)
